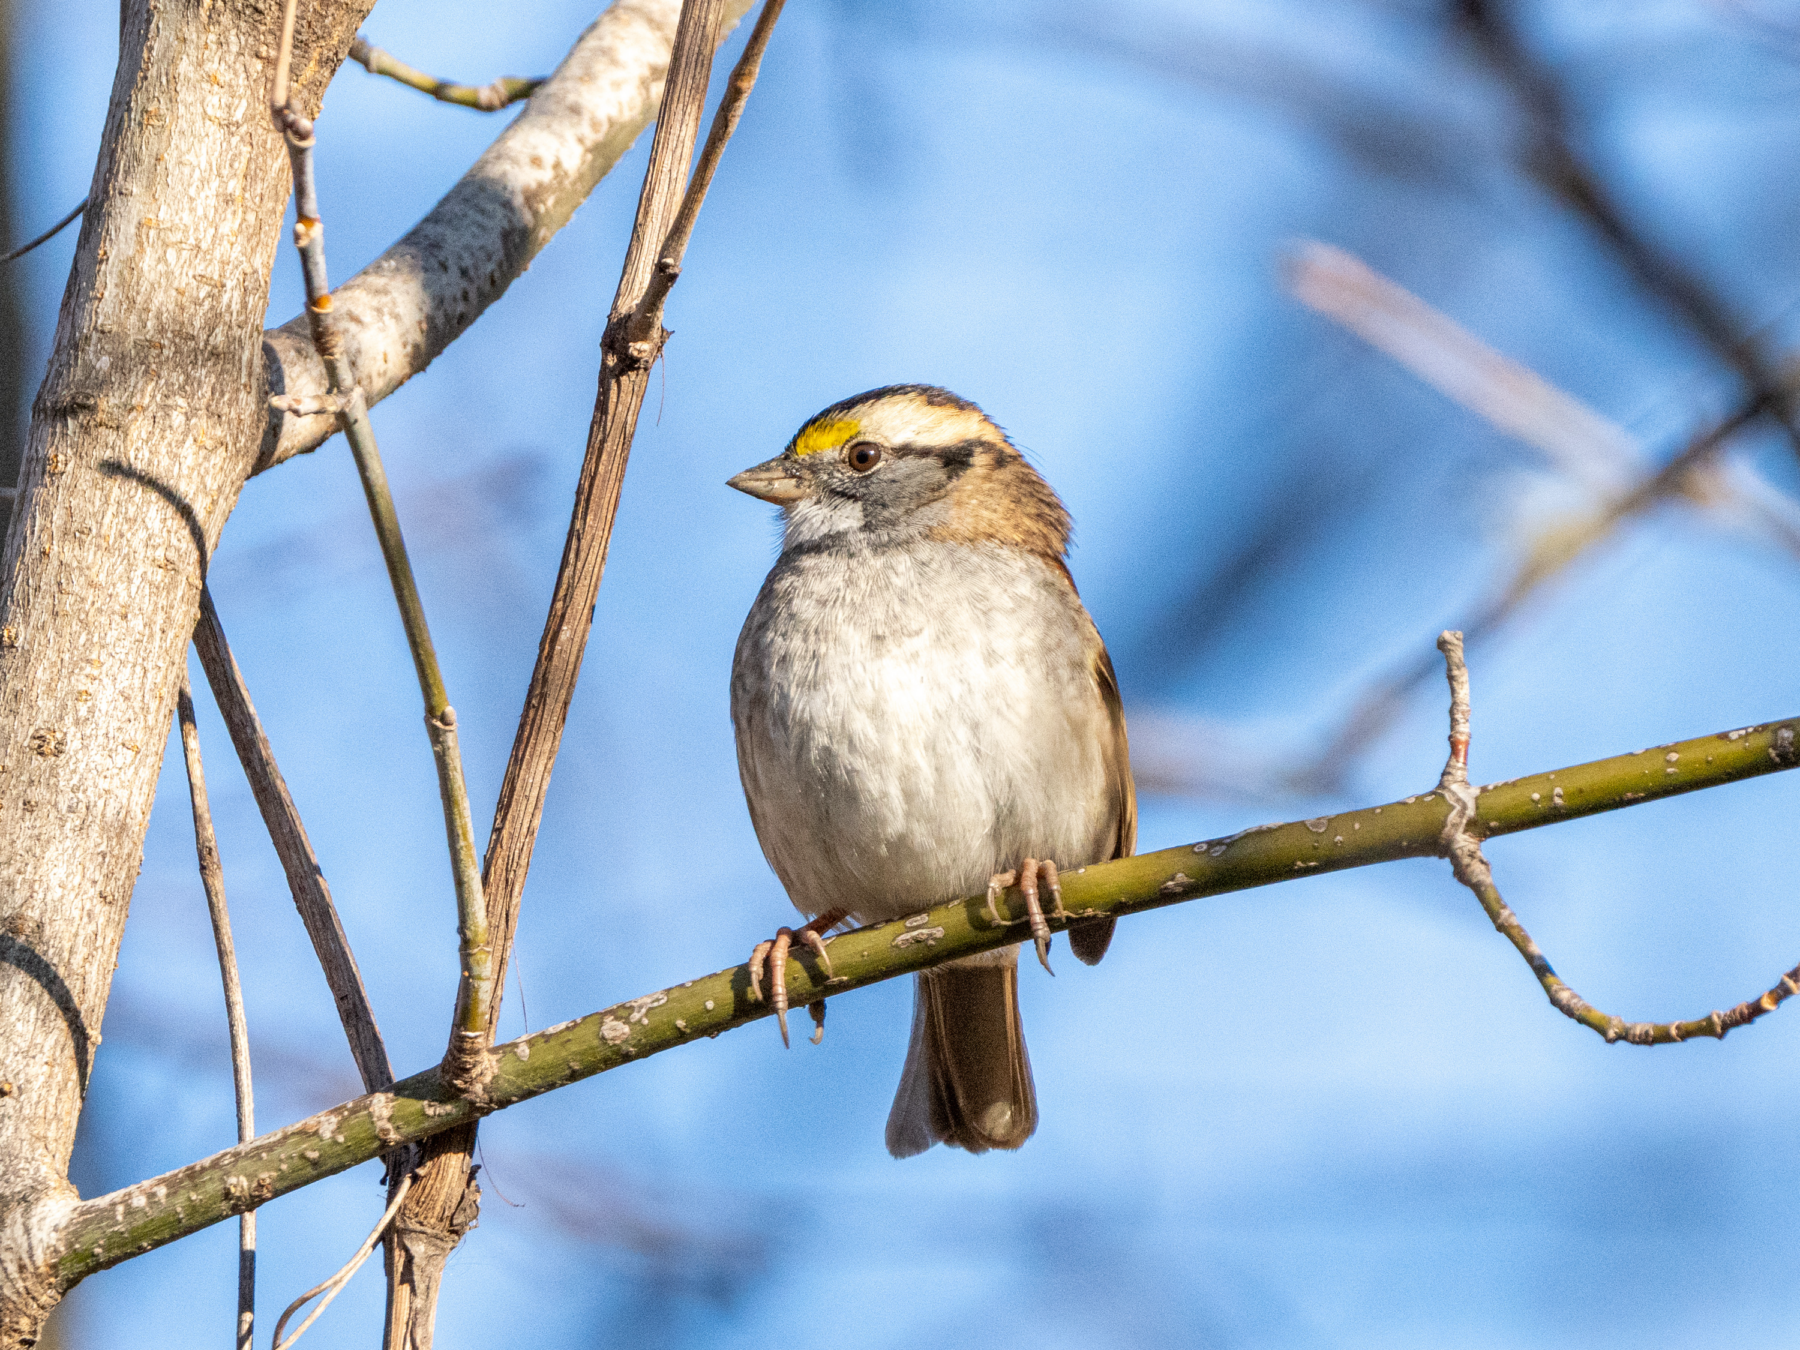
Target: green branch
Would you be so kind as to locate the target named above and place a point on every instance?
(109, 1229)
(468, 1035)
(484, 97)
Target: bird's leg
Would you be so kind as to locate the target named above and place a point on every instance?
(774, 952)
(1047, 870)
(817, 1009)
(1027, 878)
(809, 935)
(1034, 912)
(997, 884)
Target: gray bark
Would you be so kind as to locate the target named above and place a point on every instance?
(147, 423)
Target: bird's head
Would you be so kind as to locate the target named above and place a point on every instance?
(904, 462)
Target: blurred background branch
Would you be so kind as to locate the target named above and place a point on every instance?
(1551, 151)
(1599, 458)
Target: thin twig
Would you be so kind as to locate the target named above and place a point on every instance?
(647, 317)
(1461, 843)
(212, 880)
(46, 236)
(331, 1288)
(1456, 764)
(483, 98)
(474, 993)
(306, 879)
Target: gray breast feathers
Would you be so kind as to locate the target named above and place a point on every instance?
(914, 718)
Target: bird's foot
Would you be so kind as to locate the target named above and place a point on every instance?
(771, 955)
(1027, 879)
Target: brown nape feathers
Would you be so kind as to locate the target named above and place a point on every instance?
(1001, 499)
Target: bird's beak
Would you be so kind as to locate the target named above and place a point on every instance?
(772, 480)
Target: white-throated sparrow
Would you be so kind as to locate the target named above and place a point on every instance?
(923, 708)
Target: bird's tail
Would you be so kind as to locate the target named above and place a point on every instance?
(967, 1081)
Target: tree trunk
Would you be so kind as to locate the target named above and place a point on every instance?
(147, 423)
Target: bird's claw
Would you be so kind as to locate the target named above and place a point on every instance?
(996, 885)
(776, 954)
(772, 954)
(810, 936)
(1027, 879)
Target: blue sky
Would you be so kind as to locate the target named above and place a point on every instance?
(1338, 1113)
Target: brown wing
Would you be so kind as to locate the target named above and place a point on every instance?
(1089, 940)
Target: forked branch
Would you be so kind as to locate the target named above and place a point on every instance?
(1462, 845)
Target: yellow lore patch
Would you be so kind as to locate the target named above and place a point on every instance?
(824, 436)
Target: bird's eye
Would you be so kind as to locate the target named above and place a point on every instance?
(862, 456)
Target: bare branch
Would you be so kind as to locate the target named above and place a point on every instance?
(397, 314)
(624, 379)
(463, 1060)
(47, 235)
(306, 879)
(1462, 845)
(212, 879)
(444, 1203)
(483, 98)
(647, 317)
